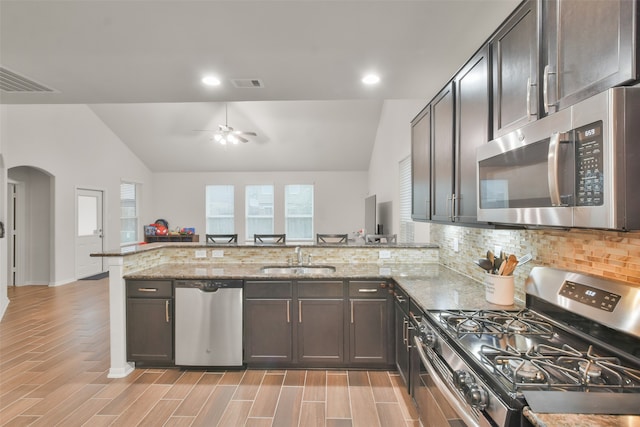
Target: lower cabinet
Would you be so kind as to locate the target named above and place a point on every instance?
(318, 323)
(370, 323)
(150, 322)
(268, 330)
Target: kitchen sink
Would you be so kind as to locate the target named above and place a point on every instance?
(298, 269)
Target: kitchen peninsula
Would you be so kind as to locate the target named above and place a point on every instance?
(414, 267)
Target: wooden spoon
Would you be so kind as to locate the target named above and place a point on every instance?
(511, 263)
(492, 259)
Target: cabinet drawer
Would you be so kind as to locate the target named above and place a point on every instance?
(149, 288)
(268, 289)
(320, 289)
(368, 289)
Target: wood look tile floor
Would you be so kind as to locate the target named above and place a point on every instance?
(54, 359)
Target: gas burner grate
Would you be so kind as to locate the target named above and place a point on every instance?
(544, 367)
(496, 323)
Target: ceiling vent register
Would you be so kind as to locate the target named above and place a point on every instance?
(14, 82)
(247, 83)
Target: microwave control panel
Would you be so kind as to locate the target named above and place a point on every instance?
(589, 164)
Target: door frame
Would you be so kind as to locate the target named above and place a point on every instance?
(16, 252)
(103, 192)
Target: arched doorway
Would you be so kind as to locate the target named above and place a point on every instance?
(29, 226)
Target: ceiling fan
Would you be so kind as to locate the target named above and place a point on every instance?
(226, 134)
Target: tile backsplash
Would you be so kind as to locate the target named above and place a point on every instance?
(603, 253)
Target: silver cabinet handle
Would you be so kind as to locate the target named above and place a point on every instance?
(370, 291)
(399, 298)
(405, 331)
(545, 88)
(299, 311)
(288, 311)
(351, 311)
(166, 311)
(147, 289)
(454, 197)
(529, 87)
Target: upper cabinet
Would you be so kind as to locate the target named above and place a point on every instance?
(421, 165)
(472, 93)
(588, 47)
(442, 138)
(515, 70)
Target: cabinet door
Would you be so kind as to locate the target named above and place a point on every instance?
(402, 349)
(368, 331)
(150, 330)
(268, 330)
(321, 330)
(515, 70)
(421, 165)
(590, 47)
(442, 134)
(472, 130)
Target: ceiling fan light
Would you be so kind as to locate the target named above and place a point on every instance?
(217, 137)
(232, 139)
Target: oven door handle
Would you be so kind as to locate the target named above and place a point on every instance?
(454, 400)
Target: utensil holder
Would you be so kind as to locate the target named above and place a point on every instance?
(499, 289)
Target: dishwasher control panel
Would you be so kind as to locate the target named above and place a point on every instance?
(209, 285)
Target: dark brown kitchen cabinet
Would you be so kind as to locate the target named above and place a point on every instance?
(402, 343)
(320, 322)
(460, 124)
(472, 93)
(370, 323)
(150, 322)
(268, 322)
(587, 47)
(442, 139)
(515, 70)
(421, 165)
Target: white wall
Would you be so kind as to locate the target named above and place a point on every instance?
(179, 198)
(393, 144)
(73, 145)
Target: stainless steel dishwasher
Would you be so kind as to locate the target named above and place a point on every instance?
(208, 322)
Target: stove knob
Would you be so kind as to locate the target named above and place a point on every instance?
(476, 396)
(428, 338)
(462, 379)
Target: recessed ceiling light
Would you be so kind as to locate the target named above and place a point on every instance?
(371, 79)
(211, 81)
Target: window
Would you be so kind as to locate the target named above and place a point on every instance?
(128, 213)
(406, 223)
(298, 212)
(259, 210)
(220, 209)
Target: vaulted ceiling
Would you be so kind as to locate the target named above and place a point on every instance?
(138, 65)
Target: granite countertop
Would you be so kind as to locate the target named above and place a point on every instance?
(432, 286)
(580, 420)
(144, 247)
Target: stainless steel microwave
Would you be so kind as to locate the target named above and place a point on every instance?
(579, 167)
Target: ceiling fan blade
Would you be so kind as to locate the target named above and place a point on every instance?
(239, 132)
(242, 139)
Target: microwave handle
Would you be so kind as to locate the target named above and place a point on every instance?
(553, 173)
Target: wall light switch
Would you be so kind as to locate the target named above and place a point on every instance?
(201, 253)
(385, 254)
(217, 253)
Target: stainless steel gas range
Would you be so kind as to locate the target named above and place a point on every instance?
(574, 349)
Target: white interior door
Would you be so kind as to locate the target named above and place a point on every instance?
(89, 235)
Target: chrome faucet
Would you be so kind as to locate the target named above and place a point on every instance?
(299, 254)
